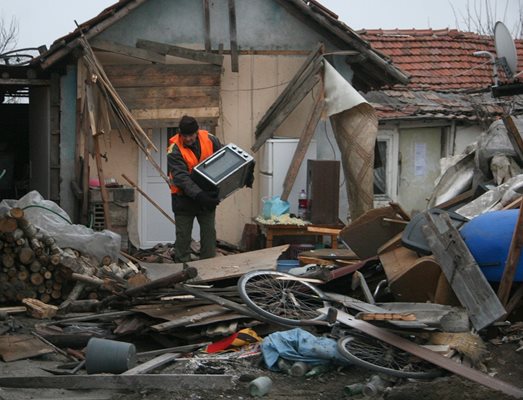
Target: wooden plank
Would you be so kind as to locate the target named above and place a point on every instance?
(118, 48)
(303, 145)
(24, 82)
(287, 108)
(505, 285)
(206, 25)
(170, 97)
(169, 382)
(151, 365)
(514, 135)
(233, 36)
(168, 113)
(288, 94)
(18, 347)
(189, 319)
(462, 271)
(310, 58)
(428, 355)
(148, 75)
(166, 123)
(218, 268)
(182, 52)
(49, 60)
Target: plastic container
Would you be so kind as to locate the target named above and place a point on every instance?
(286, 265)
(302, 205)
(260, 386)
(109, 356)
(488, 237)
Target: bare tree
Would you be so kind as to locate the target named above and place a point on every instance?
(8, 34)
(480, 16)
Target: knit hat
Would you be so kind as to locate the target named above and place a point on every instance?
(188, 125)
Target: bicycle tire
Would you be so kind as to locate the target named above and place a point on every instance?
(280, 298)
(376, 355)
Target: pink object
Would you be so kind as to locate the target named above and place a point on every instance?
(93, 182)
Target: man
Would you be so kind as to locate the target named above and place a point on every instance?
(186, 150)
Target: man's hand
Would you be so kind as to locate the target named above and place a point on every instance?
(208, 199)
(250, 176)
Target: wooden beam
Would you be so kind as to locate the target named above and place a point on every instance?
(150, 365)
(93, 31)
(168, 113)
(505, 285)
(207, 25)
(308, 61)
(149, 75)
(117, 48)
(155, 204)
(176, 51)
(462, 271)
(428, 355)
(514, 135)
(233, 37)
(169, 382)
(286, 109)
(303, 145)
(25, 82)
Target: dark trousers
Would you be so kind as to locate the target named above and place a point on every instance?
(184, 225)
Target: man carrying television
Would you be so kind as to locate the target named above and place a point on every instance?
(187, 149)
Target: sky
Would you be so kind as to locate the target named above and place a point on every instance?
(43, 21)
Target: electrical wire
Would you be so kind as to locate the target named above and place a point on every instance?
(47, 209)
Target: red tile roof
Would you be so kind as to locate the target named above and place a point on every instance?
(440, 60)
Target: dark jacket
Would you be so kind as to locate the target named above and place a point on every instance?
(186, 203)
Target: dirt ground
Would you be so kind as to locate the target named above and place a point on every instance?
(504, 363)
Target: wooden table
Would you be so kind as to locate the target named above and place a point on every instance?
(270, 231)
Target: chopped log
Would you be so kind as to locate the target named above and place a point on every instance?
(39, 309)
(45, 298)
(22, 275)
(169, 280)
(27, 256)
(8, 260)
(37, 246)
(17, 234)
(8, 224)
(47, 275)
(74, 294)
(41, 289)
(37, 278)
(56, 294)
(80, 306)
(91, 280)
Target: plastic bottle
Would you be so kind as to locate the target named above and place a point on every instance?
(302, 205)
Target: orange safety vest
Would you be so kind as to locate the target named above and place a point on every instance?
(189, 157)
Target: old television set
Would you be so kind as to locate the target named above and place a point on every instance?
(225, 171)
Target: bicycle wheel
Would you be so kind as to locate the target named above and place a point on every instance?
(281, 298)
(371, 353)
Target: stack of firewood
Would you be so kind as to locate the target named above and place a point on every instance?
(32, 265)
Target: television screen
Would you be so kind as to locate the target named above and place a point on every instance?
(222, 165)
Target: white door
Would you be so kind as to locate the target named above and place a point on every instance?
(153, 226)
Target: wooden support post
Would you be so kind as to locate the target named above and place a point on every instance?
(303, 145)
(207, 25)
(98, 158)
(233, 37)
(148, 198)
(512, 259)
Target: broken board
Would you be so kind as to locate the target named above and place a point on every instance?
(218, 268)
(462, 271)
(18, 347)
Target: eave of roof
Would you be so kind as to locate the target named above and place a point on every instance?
(376, 70)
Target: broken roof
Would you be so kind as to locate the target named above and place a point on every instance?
(444, 74)
(371, 71)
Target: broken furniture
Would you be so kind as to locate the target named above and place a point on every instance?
(323, 191)
(270, 231)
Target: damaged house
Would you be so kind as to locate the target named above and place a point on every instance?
(445, 106)
(223, 62)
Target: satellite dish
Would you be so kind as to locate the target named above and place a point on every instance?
(505, 48)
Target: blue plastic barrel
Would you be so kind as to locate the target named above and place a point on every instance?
(488, 238)
(286, 265)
